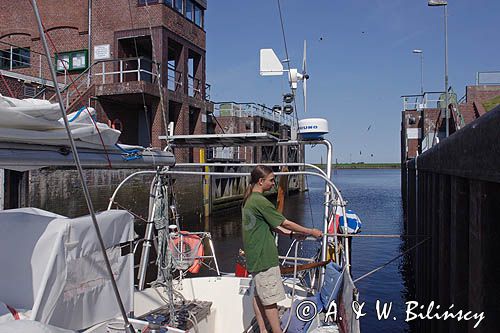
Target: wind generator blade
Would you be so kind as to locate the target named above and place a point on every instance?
(304, 76)
(304, 91)
(304, 69)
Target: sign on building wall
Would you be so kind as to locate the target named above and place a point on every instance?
(102, 52)
(413, 133)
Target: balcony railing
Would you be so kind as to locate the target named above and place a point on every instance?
(250, 110)
(427, 100)
(194, 86)
(174, 78)
(207, 91)
(488, 78)
(228, 153)
(24, 61)
(99, 72)
(126, 70)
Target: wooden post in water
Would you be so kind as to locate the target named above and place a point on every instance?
(206, 186)
(282, 190)
(301, 159)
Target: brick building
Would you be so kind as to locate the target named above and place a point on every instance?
(112, 55)
(423, 121)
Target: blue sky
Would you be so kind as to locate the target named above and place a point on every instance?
(360, 60)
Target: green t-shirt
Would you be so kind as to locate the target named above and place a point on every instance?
(259, 217)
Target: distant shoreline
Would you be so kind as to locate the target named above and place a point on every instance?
(363, 166)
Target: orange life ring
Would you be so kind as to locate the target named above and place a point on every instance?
(190, 242)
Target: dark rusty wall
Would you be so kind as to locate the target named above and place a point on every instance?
(452, 194)
(59, 191)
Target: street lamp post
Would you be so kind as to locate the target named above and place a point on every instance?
(444, 3)
(421, 53)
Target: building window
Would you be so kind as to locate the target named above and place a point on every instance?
(189, 9)
(178, 5)
(15, 58)
(72, 61)
(194, 13)
(198, 16)
(169, 2)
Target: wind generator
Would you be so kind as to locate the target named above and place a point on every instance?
(270, 65)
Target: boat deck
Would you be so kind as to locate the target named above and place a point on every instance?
(187, 313)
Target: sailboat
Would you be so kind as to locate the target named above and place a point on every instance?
(62, 276)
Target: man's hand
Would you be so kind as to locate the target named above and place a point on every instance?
(316, 233)
(298, 236)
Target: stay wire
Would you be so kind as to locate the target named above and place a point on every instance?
(65, 65)
(128, 327)
(158, 72)
(6, 85)
(284, 37)
(148, 127)
(390, 261)
(294, 100)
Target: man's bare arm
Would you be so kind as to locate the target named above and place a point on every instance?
(290, 226)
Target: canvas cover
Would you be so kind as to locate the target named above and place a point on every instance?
(29, 326)
(52, 265)
(33, 136)
(349, 322)
(39, 121)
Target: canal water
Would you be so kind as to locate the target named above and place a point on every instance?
(375, 195)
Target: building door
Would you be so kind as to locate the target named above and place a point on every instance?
(138, 53)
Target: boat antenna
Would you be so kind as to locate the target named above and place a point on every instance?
(128, 327)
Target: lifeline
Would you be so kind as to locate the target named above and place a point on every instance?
(458, 315)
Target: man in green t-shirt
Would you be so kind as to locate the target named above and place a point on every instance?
(260, 220)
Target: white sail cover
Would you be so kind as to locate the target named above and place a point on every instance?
(52, 265)
(39, 122)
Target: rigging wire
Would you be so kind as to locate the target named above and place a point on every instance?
(148, 127)
(80, 96)
(158, 72)
(128, 327)
(6, 84)
(294, 104)
(284, 37)
(390, 261)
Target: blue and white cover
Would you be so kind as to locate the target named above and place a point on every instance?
(353, 222)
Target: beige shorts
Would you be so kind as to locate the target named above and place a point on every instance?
(269, 286)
